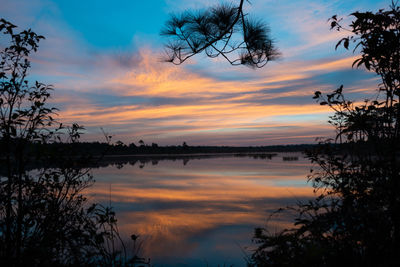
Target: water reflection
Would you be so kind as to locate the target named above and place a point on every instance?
(142, 160)
(197, 211)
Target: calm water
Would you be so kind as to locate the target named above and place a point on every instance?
(201, 211)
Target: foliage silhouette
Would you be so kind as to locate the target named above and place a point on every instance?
(45, 220)
(355, 220)
(219, 31)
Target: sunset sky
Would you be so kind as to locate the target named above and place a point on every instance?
(103, 58)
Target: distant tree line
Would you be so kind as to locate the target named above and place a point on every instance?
(119, 148)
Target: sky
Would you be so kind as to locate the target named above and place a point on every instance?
(104, 60)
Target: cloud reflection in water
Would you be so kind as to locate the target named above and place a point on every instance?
(205, 210)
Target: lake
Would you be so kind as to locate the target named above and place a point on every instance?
(201, 211)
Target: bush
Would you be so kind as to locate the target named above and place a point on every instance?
(45, 220)
(355, 220)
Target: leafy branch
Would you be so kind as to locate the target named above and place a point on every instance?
(219, 31)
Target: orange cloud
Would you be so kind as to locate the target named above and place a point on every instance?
(202, 103)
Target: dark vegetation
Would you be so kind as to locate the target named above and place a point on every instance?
(355, 218)
(45, 220)
(98, 149)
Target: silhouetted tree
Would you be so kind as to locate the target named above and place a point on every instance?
(45, 220)
(119, 143)
(221, 30)
(355, 220)
(141, 143)
(132, 145)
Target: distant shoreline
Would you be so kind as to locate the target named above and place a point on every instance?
(196, 154)
(120, 149)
